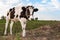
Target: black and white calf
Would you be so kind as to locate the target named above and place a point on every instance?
(21, 14)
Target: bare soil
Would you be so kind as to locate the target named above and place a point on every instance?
(45, 32)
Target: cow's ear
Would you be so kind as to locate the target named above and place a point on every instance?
(35, 10)
(23, 8)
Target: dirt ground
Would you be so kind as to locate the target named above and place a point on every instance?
(45, 32)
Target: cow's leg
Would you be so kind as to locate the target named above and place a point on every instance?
(11, 24)
(23, 24)
(6, 25)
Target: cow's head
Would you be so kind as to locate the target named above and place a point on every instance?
(30, 11)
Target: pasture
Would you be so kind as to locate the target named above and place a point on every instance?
(36, 30)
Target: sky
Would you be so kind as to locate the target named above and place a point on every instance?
(48, 9)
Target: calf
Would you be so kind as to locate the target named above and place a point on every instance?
(21, 14)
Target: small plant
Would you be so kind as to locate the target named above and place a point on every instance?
(17, 36)
(3, 17)
(36, 18)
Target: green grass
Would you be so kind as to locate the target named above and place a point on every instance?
(30, 25)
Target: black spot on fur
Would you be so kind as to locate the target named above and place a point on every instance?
(12, 11)
(16, 16)
(7, 14)
(27, 6)
(23, 15)
(28, 13)
(23, 8)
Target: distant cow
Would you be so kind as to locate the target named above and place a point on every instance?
(21, 14)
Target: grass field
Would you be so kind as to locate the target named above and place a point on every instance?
(31, 25)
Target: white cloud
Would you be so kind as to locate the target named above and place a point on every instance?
(43, 16)
(56, 3)
(5, 6)
(2, 8)
(29, 3)
(44, 1)
(12, 1)
(39, 6)
(45, 8)
(27, 0)
(50, 6)
(0, 0)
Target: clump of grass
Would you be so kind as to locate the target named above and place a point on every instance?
(17, 36)
(30, 25)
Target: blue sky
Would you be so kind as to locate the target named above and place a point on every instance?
(48, 9)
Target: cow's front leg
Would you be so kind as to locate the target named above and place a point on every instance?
(11, 25)
(23, 29)
(23, 24)
(6, 25)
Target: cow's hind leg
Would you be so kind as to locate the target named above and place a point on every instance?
(23, 24)
(11, 25)
(6, 25)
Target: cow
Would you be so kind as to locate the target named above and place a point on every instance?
(21, 14)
